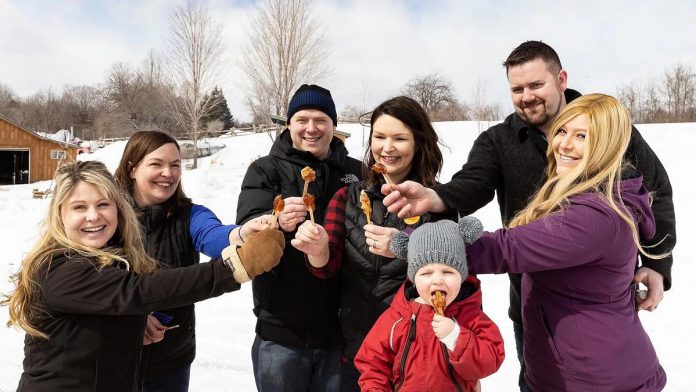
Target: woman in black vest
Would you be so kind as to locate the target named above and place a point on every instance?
(403, 140)
(175, 231)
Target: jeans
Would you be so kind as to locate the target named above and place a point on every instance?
(519, 344)
(295, 369)
(174, 381)
(349, 376)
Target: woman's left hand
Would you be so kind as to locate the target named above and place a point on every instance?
(154, 331)
(379, 238)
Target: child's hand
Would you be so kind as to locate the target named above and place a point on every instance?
(442, 325)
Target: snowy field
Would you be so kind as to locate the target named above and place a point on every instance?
(225, 325)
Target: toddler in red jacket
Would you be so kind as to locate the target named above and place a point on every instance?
(412, 347)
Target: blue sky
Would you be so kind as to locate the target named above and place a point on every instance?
(376, 45)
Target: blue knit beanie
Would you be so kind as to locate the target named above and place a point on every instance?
(441, 242)
(311, 96)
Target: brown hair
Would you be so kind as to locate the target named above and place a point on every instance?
(138, 146)
(427, 159)
(532, 50)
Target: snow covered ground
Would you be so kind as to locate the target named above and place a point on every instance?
(225, 325)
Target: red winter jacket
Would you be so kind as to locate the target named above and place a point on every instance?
(402, 353)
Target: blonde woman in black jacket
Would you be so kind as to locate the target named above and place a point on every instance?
(84, 291)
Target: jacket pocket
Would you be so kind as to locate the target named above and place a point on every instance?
(553, 346)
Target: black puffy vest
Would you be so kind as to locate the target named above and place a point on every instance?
(368, 281)
(168, 240)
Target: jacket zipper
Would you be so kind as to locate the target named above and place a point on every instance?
(450, 368)
(140, 374)
(411, 338)
(375, 280)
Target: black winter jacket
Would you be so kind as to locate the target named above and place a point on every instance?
(368, 281)
(509, 159)
(293, 307)
(168, 240)
(96, 318)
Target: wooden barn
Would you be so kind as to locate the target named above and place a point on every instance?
(27, 157)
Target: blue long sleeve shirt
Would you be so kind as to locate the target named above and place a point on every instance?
(209, 235)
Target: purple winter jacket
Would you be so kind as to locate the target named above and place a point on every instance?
(581, 331)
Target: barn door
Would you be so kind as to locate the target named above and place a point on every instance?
(14, 167)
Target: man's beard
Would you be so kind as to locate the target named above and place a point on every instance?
(544, 116)
(536, 119)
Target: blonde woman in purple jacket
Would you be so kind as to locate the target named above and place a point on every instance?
(576, 244)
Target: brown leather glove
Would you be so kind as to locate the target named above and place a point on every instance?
(261, 251)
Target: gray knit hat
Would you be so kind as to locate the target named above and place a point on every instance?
(439, 242)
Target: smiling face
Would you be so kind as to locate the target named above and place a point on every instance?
(537, 92)
(437, 277)
(89, 218)
(393, 145)
(568, 143)
(311, 130)
(157, 175)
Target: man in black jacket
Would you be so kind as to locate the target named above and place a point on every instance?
(297, 333)
(510, 159)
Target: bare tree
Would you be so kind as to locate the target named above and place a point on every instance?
(432, 91)
(452, 111)
(679, 91)
(481, 109)
(195, 53)
(9, 102)
(654, 107)
(631, 96)
(351, 113)
(286, 47)
(125, 90)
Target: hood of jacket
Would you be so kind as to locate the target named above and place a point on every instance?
(468, 301)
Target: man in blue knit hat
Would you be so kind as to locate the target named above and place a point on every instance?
(297, 330)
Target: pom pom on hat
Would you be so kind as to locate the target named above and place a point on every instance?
(399, 245)
(470, 228)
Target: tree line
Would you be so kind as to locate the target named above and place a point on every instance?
(669, 98)
(130, 99)
(439, 99)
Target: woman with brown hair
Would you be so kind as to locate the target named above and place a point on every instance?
(175, 231)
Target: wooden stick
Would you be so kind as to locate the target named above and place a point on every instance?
(311, 214)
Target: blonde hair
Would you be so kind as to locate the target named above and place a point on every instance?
(24, 302)
(599, 170)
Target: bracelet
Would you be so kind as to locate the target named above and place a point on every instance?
(239, 233)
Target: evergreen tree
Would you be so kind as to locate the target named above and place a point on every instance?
(220, 110)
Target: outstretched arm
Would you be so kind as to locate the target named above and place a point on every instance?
(411, 199)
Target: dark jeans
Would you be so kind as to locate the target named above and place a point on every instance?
(294, 369)
(174, 381)
(349, 376)
(519, 344)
